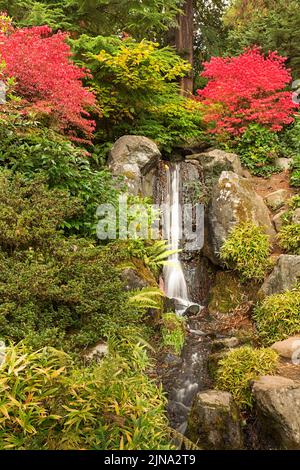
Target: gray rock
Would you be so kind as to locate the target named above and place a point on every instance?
(97, 352)
(135, 157)
(132, 279)
(277, 220)
(213, 162)
(233, 200)
(277, 199)
(296, 216)
(284, 275)
(224, 343)
(283, 163)
(277, 403)
(214, 421)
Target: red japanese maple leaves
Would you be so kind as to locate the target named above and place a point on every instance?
(47, 78)
(245, 89)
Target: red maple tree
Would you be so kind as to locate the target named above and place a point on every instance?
(41, 63)
(245, 89)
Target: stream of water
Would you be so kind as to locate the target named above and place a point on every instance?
(186, 375)
(175, 284)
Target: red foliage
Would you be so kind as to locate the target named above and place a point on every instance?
(244, 89)
(47, 79)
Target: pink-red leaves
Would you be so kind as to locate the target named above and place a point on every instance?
(47, 78)
(245, 89)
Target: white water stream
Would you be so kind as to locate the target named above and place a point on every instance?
(174, 280)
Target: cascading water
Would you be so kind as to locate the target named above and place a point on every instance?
(175, 284)
(186, 377)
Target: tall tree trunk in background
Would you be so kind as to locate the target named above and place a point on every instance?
(184, 36)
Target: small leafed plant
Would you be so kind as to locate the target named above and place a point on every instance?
(258, 148)
(173, 332)
(247, 250)
(240, 366)
(289, 238)
(277, 316)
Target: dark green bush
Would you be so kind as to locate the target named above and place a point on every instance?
(290, 143)
(247, 250)
(31, 214)
(277, 316)
(29, 148)
(54, 290)
(240, 367)
(258, 148)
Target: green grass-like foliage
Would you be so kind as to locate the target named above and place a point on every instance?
(47, 402)
(173, 332)
(278, 316)
(247, 251)
(240, 367)
(289, 238)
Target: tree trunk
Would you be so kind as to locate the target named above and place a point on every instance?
(184, 36)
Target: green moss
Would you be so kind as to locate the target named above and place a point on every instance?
(240, 367)
(227, 293)
(144, 272)
(277, 316)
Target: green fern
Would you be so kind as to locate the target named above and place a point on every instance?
(148, 297)
(157, 254)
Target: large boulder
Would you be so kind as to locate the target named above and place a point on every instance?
(277, 199)
(214, 421)
(213, 162)
(277, 402)
(135, 158)
(278, 220)
(284, 275)
(232, 201)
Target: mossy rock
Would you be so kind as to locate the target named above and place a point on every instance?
(228, 292)
(213, 362)
(144, 272)
(214, 422)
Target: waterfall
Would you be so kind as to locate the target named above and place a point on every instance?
(174, 280)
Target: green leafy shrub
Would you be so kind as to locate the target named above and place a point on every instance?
(247, 250)
(295, 175)
(277, 316)
(31, 214)
(258, 147)
(289, 233)
(289, 238)
(240, 366)
(54, 290)
(29, 148)
(290, 143)
(47, 402)
(138, 92)
(173, 332)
